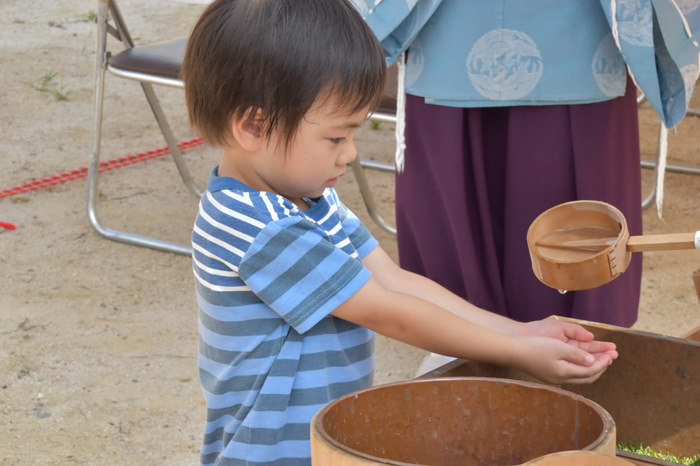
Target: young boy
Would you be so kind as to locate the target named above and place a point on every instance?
(290, 284)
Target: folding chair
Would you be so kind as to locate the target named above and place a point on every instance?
(160, 64)
(150, 64)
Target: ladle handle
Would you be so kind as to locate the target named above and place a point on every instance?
(666, 242)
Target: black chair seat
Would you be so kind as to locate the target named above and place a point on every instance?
(164, 59)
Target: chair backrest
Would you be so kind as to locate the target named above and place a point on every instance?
(156, 63)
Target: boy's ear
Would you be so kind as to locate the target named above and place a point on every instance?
(248, 130)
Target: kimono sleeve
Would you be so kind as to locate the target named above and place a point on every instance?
(299, 273)
(658, 40)
(396, 23)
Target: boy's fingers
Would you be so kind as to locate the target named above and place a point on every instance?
(595, 346)
(582, 357)
(588, 373)
(579, 356)
(576, 332)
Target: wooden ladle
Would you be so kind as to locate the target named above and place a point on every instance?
(585, 244)
(665, 242)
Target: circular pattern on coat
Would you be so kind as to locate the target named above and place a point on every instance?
(608, 68)
(504, 64)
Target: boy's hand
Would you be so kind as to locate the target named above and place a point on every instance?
(558, 329)
(556, 362)
(570, 333)
(583, 362)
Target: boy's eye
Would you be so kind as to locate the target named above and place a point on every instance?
(337, 140)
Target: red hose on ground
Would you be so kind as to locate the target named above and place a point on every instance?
(104, 166)
(82, 172)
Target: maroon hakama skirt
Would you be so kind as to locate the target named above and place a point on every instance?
(476, 178)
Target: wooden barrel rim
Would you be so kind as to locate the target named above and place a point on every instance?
(608, 424)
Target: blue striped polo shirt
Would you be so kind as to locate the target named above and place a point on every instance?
(267, 276)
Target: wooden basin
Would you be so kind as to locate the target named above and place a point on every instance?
(652, 390)
(457, 421)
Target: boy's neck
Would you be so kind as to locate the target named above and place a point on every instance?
(229, 167)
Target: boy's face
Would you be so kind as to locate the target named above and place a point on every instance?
(317, 155)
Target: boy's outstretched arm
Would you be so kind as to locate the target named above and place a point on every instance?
(419, 318)
(393, 277)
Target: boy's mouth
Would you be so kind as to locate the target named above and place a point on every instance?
(333, 181)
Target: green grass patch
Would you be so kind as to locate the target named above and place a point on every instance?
(648, 451)
(48, 85)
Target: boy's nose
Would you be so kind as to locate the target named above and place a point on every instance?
(348, 156)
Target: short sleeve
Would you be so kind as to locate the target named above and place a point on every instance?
(299, 273)
(360, 237)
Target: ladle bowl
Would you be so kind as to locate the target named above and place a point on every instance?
(585, 244)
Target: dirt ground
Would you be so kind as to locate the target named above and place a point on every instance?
(97, 338)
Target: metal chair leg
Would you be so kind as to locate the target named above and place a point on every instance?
(367, 197)
(175, 152)
(93, 165)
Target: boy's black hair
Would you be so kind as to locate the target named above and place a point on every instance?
(278, 56)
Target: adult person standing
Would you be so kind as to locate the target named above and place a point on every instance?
(512, 107)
